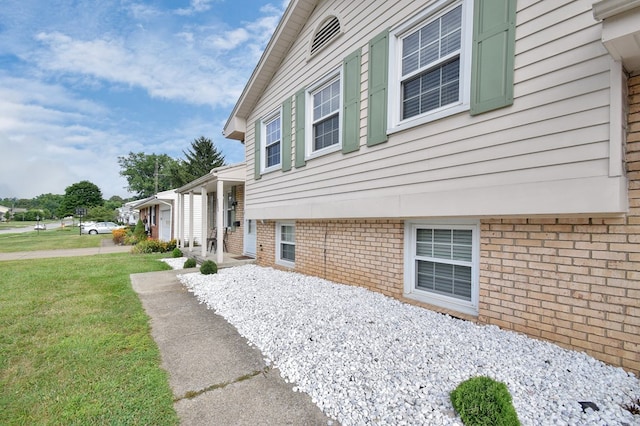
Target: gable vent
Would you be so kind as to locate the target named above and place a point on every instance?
(327, 31)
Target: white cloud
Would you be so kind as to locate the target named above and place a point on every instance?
(196, 6)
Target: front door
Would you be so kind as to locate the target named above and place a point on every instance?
(250, 237)
(165, 225)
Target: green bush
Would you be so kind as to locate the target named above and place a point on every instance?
(189, 263)
(482, 401)
(139, 233)
(150, 245)
(208, 267)
(177, 252)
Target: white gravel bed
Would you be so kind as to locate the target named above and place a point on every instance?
(175, 262)
(365, 358)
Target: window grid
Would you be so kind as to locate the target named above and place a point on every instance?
(431, 65)
(272, 142)
(326, 115)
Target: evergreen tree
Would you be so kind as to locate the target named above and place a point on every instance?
(199, 160)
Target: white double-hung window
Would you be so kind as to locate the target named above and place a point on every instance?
(441, 265)
(431, 73)
(324, 102)
(286, 244)
(272, 142)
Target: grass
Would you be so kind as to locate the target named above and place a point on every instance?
(75, 344)
(482, 401)
(61, 238)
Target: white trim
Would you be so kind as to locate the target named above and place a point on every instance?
(443, 301)
(617, 118)
(277, 114)
(395, 123)
(319, 85)
(279, 260)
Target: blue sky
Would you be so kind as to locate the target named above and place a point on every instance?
(84, 82)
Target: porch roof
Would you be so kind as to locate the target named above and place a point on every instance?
(234, 173)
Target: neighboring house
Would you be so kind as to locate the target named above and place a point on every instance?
(479, 158)
(218, 198)
(3, 212)
(157, 214)
(127, 214)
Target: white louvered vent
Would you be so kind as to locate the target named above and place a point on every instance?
(328, 30)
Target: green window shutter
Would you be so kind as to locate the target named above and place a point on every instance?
(286, 135)
(256, 146)
(300, 120)
(492, 65)
(378, 93)
(351, 103)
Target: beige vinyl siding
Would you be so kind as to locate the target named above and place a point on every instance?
(549, 152)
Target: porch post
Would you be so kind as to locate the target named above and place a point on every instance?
(180, 220)
(220, 222)
(191, 209)
(204, 229)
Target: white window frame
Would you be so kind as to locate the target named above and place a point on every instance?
(309, 139)
(434, 11)
(275, 115)
(279, 259)
(441, 300)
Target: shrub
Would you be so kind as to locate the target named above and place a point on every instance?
(171, 245)
(208, 267)
(149, 245)
(176, 252)
(189, 263)
(483, 401)
(119, 236)
(139, 233)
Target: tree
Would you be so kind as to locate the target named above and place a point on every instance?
(48, 202)
(147, 174)
(82, 194)
(101, 214)
(199, 160)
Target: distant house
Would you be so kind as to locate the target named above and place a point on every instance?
(218, 212)
(3, 212)
(127, 214)
(156, 212)
(479, 158)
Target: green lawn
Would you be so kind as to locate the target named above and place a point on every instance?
(61, 238)
(75, 344)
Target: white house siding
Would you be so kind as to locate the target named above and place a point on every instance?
(548, 153)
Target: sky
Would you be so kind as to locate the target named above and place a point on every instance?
(83, 82)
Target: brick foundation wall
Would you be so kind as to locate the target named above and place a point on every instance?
(367, 253)
(572, 281)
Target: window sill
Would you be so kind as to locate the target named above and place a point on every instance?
(425, 119)
(285, 263)
(443, 302)
(323, 151)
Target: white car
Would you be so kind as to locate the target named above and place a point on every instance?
(100, 228)
(40, 227)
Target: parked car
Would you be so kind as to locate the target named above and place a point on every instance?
(40, 227)
(100, 228)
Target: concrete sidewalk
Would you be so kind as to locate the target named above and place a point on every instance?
(41, 254)
(216, 377)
